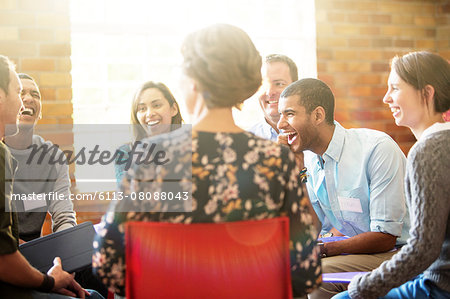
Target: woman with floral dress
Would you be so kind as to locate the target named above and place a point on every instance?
(234, 175)
(154, 111)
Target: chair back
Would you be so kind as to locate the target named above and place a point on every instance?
(243, 259)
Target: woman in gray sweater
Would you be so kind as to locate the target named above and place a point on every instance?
(418, 93)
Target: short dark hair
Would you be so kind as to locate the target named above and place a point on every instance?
(419, 69)
(283, 58)
(25, 76)
(5, 67)
(312, 94)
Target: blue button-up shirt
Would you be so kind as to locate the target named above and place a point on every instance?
(357, 185)
(264, 130)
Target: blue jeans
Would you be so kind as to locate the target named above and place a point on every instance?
(39, 295)
(418, 288)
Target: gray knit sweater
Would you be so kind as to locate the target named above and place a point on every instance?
(42, 178)
(427, 250)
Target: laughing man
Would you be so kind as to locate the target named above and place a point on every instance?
(355, 181)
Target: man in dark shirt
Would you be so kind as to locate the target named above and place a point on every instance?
(18, 279)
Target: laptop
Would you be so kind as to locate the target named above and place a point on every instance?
(72, 245)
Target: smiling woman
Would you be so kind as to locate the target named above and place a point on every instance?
(154, 111)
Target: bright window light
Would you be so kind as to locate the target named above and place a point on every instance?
(117, 45)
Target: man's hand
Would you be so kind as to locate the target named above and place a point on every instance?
(333, 232)
(282, 139)
(65, 283)
(299, 157)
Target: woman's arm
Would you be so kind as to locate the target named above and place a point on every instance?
(108, 260)
(427, 187)
(305, 261)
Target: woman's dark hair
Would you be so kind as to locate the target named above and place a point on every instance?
(419, 69)
(177, 120)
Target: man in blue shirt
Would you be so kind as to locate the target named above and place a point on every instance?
(355, 181)
(279, 71)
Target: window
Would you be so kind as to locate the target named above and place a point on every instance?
(118, 45)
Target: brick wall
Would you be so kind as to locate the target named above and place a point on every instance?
(443, 28)
(356, 40)
(36, 36)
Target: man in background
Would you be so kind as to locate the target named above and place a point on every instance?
(278, 72)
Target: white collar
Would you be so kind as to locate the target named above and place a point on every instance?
(436, 127)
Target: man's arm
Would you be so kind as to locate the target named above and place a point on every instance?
(335, 232)
(387, 203)
(386, 168)
(370, 242)
(26, 276)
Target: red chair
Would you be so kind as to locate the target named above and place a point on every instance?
(245, 259)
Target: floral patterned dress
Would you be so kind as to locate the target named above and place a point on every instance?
(235, 176)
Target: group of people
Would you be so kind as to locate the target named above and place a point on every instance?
(391, 214)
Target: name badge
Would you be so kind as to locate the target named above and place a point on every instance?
(34, 201)
(350, 204)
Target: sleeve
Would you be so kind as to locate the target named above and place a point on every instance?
(305, 261)
(119, 163)
(7, 240)
(386, 172)
(326, 225)
(63, 215)
(108, 260)
(428, 186)
(310, 161)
